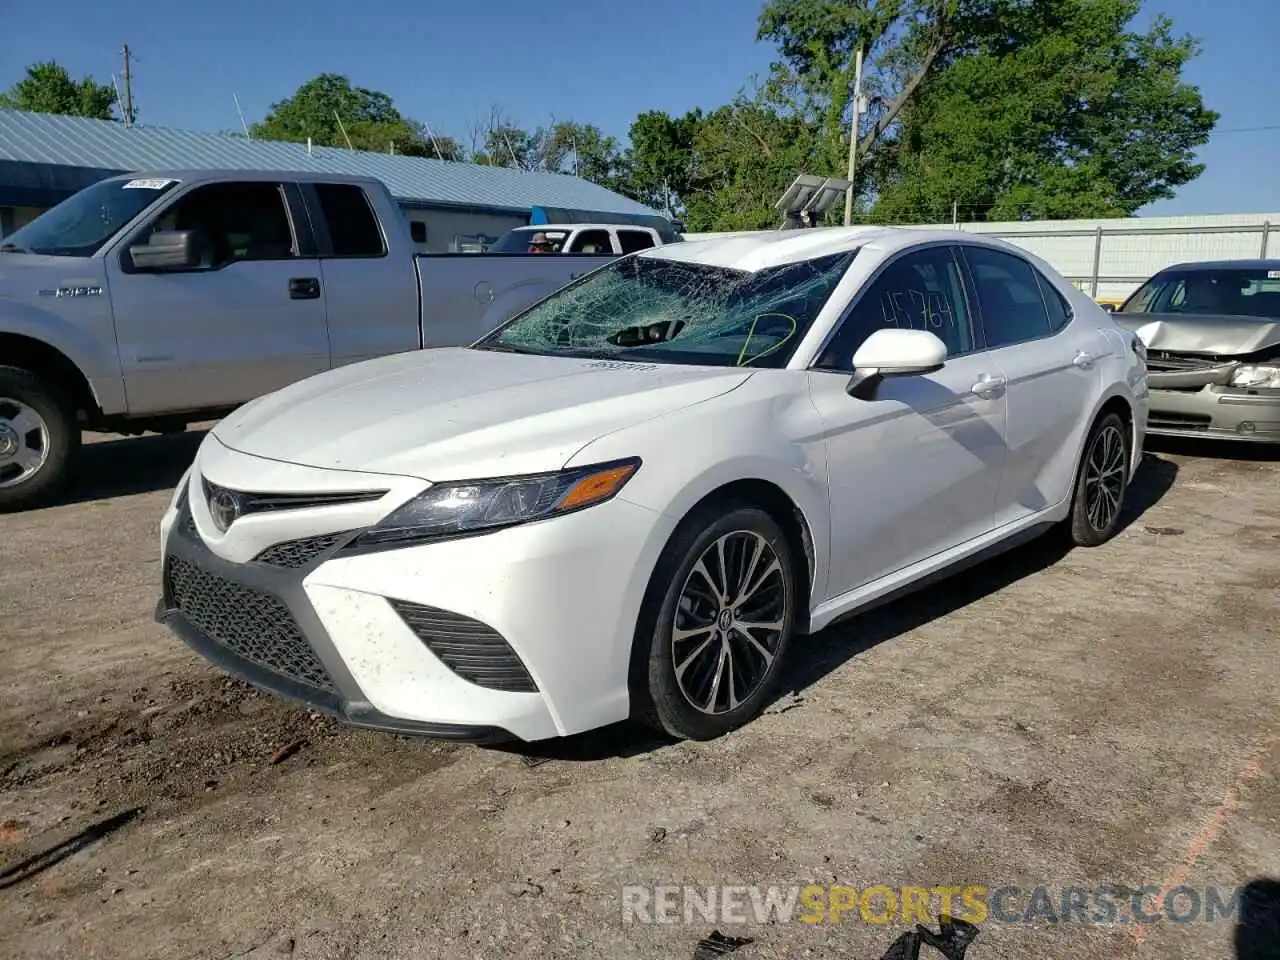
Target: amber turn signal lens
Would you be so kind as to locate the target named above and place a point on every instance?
(598, 486)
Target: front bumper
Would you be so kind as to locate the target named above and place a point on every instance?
(325, 686)
(1216, 412)
(400, 640)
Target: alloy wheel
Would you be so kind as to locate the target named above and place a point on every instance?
(1104, 478)
(24, 442)
(729, 620)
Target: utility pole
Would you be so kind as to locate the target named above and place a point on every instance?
(127, 106)
(853, 136)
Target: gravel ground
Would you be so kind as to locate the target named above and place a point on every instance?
(1107, 717)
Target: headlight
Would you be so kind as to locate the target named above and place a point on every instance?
(456, 509)
(1266, 375)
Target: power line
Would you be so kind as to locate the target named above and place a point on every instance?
(1273, 126)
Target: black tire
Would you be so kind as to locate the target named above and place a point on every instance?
(1083, 526)
(660, 699)
(58, 414)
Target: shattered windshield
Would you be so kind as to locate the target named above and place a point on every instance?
(81, 224)
(669, 311)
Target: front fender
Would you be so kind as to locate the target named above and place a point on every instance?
(81, 331)
(741, 435)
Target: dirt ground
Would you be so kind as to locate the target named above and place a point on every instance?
(1107, 717)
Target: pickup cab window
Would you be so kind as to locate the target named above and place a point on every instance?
(592, 241)
(81, 224)
(353, 226)
(633, 240)
(519, 240)
(234, 221)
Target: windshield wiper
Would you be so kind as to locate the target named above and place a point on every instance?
(11, 248)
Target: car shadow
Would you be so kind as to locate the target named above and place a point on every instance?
(129, 465)
(1257, 932)
(1206, 449)
(815, 656)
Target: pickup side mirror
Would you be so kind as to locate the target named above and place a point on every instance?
(894, 353)
(166, 250)
(1109, 307)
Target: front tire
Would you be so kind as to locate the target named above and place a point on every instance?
(38, 438)
(1101, 483)
(717, 623)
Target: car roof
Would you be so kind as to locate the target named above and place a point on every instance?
(203, 176)
(543, 227)
(1197, 266)
(771, 248)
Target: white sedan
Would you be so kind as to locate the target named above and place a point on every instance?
(631, 499)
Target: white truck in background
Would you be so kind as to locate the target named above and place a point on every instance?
(149, 301)
(585, 238)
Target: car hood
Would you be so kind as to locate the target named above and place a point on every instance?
(456, 413)
(1209, 334)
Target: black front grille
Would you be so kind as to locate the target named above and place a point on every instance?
(471, 649)
(293, 554)
(262, 502)
(252, 624)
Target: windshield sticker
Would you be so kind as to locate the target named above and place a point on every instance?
(1273, 274)
(148, 183)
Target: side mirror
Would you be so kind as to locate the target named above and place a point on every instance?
(166, 250)
(1109, 307)
(894, 353)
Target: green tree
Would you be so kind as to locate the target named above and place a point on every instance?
(903, 43)
(744, 155)
(1055, 109)
(658, 168)
(332, 113)
(566, 146)
(48, 88)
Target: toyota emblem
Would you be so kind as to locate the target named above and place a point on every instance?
(224, 507)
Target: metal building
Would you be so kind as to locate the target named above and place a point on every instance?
(452, 206)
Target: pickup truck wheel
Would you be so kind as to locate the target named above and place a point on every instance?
(38, 437)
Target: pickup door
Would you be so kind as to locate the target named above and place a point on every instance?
(248, 320)
(465, 295)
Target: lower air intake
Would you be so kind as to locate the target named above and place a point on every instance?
(471, 649)
(252, 624)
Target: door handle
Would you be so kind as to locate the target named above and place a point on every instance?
(304, 288)
(1083, 360)
(988, 386)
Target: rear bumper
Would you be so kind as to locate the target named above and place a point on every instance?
(1215, 412)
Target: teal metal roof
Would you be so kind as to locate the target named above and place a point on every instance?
(103, 145)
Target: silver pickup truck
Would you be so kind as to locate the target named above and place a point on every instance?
(149, 301)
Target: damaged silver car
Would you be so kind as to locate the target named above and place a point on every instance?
(1212, 333)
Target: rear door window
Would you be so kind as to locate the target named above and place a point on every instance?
(1009, 297)
(353, 226)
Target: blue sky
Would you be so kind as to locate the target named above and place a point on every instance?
(598, 61)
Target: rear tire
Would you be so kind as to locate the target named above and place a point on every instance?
(714, 635)
(1102, 480)
(39, 437)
